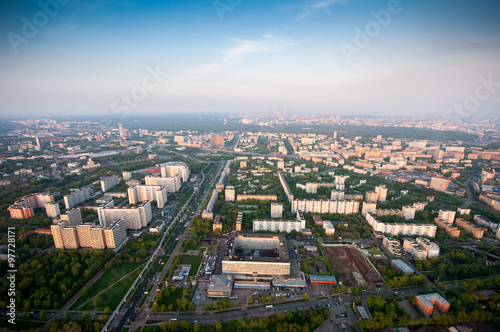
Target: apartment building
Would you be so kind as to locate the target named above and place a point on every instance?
(109, 182)
(133, 217)
(403, 229)
(139, 193)
(421, 248)
(325, 206)
(77, 197)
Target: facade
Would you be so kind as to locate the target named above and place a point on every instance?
(470, 228)
(73, 217)
(115, 234)
(421, 248)
(337, 196)
(325, 206)
(286, 187)
(241, 258)
(77, 197)
(109, 182)
(439, 184)
(220, 286)
(427, 303)
(278, 225)
(18, 212)
(447, 215)
(239, 221)
(23, 208)
(340, 182)
(126, 175)
(409, 212)
(171, 184)
(174, 168)
(217, 224)
(450, 230)
(208, 213)
(134, 218)
(229, 194)
(52, 209)
(328, 227)
(141, 193)
(371, 196)
(276, 210)
(403, 229)
(88, 235)
(217, 141)
(257, 197)
(381, 192)
(393, 246)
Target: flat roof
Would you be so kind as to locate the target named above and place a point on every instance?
(403, 266)
(322, 279)
(429, 299)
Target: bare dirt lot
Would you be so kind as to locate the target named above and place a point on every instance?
(351, 267)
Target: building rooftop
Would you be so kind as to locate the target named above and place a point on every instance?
(428, 299)
(403, 266)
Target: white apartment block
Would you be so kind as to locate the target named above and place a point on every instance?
(409, 212)
(141, 193)
(52, 209)
(404, 229)
(171, 184)
(278, 225)
(447, 215)
(134, 218)
(77, 197)
(325, 206)
(381, 192)
(340, 182)
(393, 246)
(229, 194)
(421, 248)
(172, 169)
(276, 210)
(337, 195)
(109, 182)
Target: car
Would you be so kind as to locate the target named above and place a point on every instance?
(173, 319)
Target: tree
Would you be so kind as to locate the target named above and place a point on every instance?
(196, 327)
(107, 310)
(86, 316)
(305, 296)
(96, 302)
(43, 315)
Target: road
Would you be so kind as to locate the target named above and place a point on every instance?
(342, 300)
(140, 318)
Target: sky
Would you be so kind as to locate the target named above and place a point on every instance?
(338, 57)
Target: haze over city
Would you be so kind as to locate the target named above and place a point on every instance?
(318, 56)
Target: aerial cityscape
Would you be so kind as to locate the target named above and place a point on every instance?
(227, 165)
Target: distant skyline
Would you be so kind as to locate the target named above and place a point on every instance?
(338, 57)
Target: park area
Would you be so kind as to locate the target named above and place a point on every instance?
(109, 289)
(351, 267)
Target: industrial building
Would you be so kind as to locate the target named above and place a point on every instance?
(253, 255)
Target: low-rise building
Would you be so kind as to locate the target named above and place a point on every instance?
(393, 246)
(427, 303)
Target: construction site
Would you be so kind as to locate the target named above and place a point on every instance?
(351, 267)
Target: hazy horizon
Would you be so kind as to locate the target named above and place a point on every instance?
(336, 57)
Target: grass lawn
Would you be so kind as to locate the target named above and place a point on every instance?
(112, 296)
(108, 278)
(192, 246)
(194, 261)
(172, 299)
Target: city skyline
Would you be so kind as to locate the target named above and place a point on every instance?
(326, 57)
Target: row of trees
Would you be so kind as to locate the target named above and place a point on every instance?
(50, 279)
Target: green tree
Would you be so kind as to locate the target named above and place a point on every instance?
(43, 315)
(305, 296)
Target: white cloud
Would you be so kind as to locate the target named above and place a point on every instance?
(243, 47)
(309, 8)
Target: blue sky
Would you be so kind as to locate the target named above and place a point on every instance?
(314, 56)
